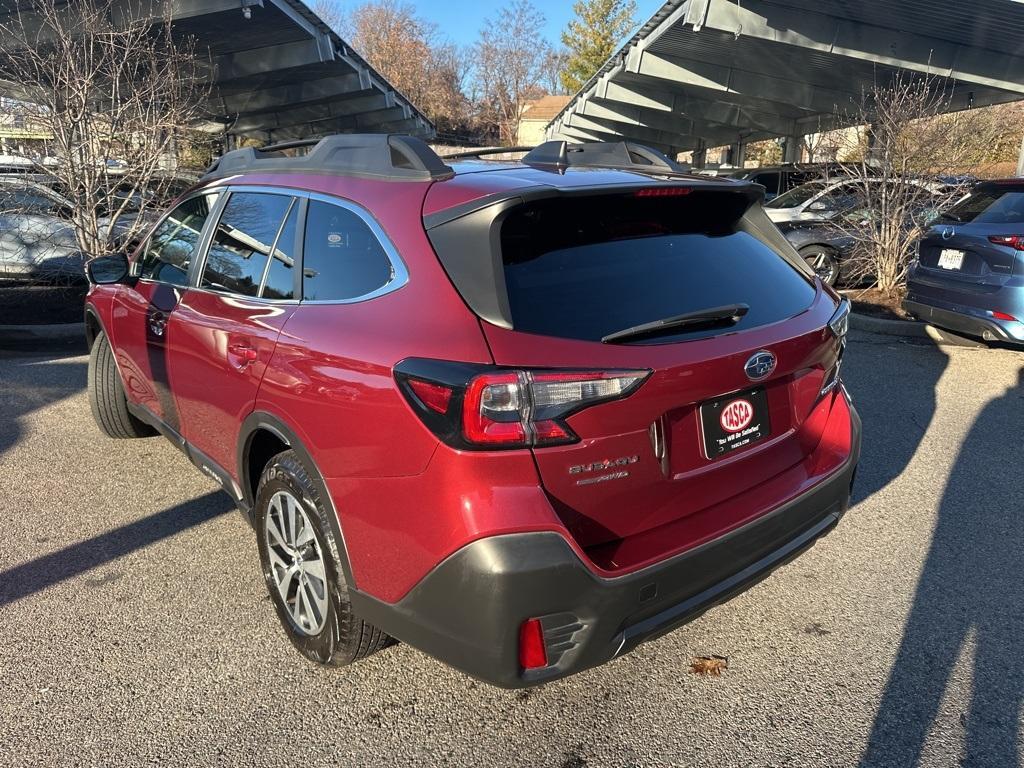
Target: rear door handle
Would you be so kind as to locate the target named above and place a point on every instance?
(244, 354)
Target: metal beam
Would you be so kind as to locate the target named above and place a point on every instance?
(720, 81)
(256, 61)
(301, 92)
(867, 42)
(324, 113)
(700, 114)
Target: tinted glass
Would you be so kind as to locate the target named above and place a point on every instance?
(586, 268)
(990, 206)
(341, 256)
(242, 242)
(796, 196)
(169, 249)
(14, 199)
(770, 182)
(280, 278)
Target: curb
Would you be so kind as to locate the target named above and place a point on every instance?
(44, 331)
(911, 329)
(42, 335)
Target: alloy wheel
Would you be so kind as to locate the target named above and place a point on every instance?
(296, 563)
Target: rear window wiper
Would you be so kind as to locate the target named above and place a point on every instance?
(701, 318)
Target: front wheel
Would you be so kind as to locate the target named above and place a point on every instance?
(107, 400)
(823, 261)
(299, 558)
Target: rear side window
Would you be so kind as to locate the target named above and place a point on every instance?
(342, 258)
(242, 242)
(169, 249)
(770, 182)
(991, 206)
(586, 267)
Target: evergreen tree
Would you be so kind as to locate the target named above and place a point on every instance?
(592, 36)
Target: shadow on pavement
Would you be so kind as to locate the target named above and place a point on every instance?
(971, 585)
(28, 385)
(895, 395)
(36, 575)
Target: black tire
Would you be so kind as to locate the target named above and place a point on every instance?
(344, 637)
(824, 261)
(106, 395)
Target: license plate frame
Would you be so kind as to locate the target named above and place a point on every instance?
(951, 259)
(719, 441)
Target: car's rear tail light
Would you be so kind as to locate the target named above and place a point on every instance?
(533, 654)
(471, 406)
(1012, 241)
(840, 327)
(1003, 316)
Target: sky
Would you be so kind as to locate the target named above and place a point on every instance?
(461, 20)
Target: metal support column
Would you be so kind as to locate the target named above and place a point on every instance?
(1020, 158)
(737, 154)
(700, 154)
(791, 149)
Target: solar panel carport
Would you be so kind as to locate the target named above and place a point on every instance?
(703, 73)
(279, 72)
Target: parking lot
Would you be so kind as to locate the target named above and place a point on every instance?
(136, 630)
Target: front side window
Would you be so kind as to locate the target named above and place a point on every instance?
(796, 196)
(243, 241)
(341, 256)
(168, 251)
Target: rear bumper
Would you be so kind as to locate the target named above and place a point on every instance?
(467, 611)
(966, 320)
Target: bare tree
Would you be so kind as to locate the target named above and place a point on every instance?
(512, 58)
(411, 54)
(903, 165)
(113, 100)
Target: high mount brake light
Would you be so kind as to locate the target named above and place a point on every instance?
(662, 192)
(485, 407)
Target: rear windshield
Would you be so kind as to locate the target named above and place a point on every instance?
(990, 205)
(583, 268)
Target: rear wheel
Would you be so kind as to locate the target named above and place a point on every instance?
(823, 261)
(298, 554)
(106, 394)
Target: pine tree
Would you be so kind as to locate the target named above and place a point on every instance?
(592, 36)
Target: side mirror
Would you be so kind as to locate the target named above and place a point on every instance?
(107, 270)
(818, 206)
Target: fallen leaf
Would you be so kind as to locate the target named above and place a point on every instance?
(709, 666)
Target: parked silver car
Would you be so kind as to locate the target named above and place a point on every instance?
(819, 201)
(37, 240)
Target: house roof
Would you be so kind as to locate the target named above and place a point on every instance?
(544, 108)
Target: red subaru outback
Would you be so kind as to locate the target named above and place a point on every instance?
(520, 415)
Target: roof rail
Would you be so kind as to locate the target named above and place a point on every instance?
(485, 151)
(391, 157)
(625, 155)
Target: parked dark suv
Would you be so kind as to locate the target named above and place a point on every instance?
(522, 416)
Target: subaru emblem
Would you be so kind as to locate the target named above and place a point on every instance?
(760, 365)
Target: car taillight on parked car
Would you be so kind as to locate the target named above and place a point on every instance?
(1012, 241)
(471, 406)
(840, 327)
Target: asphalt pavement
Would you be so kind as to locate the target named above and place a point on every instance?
(135, 630)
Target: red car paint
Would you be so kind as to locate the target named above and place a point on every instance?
(405, 499)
